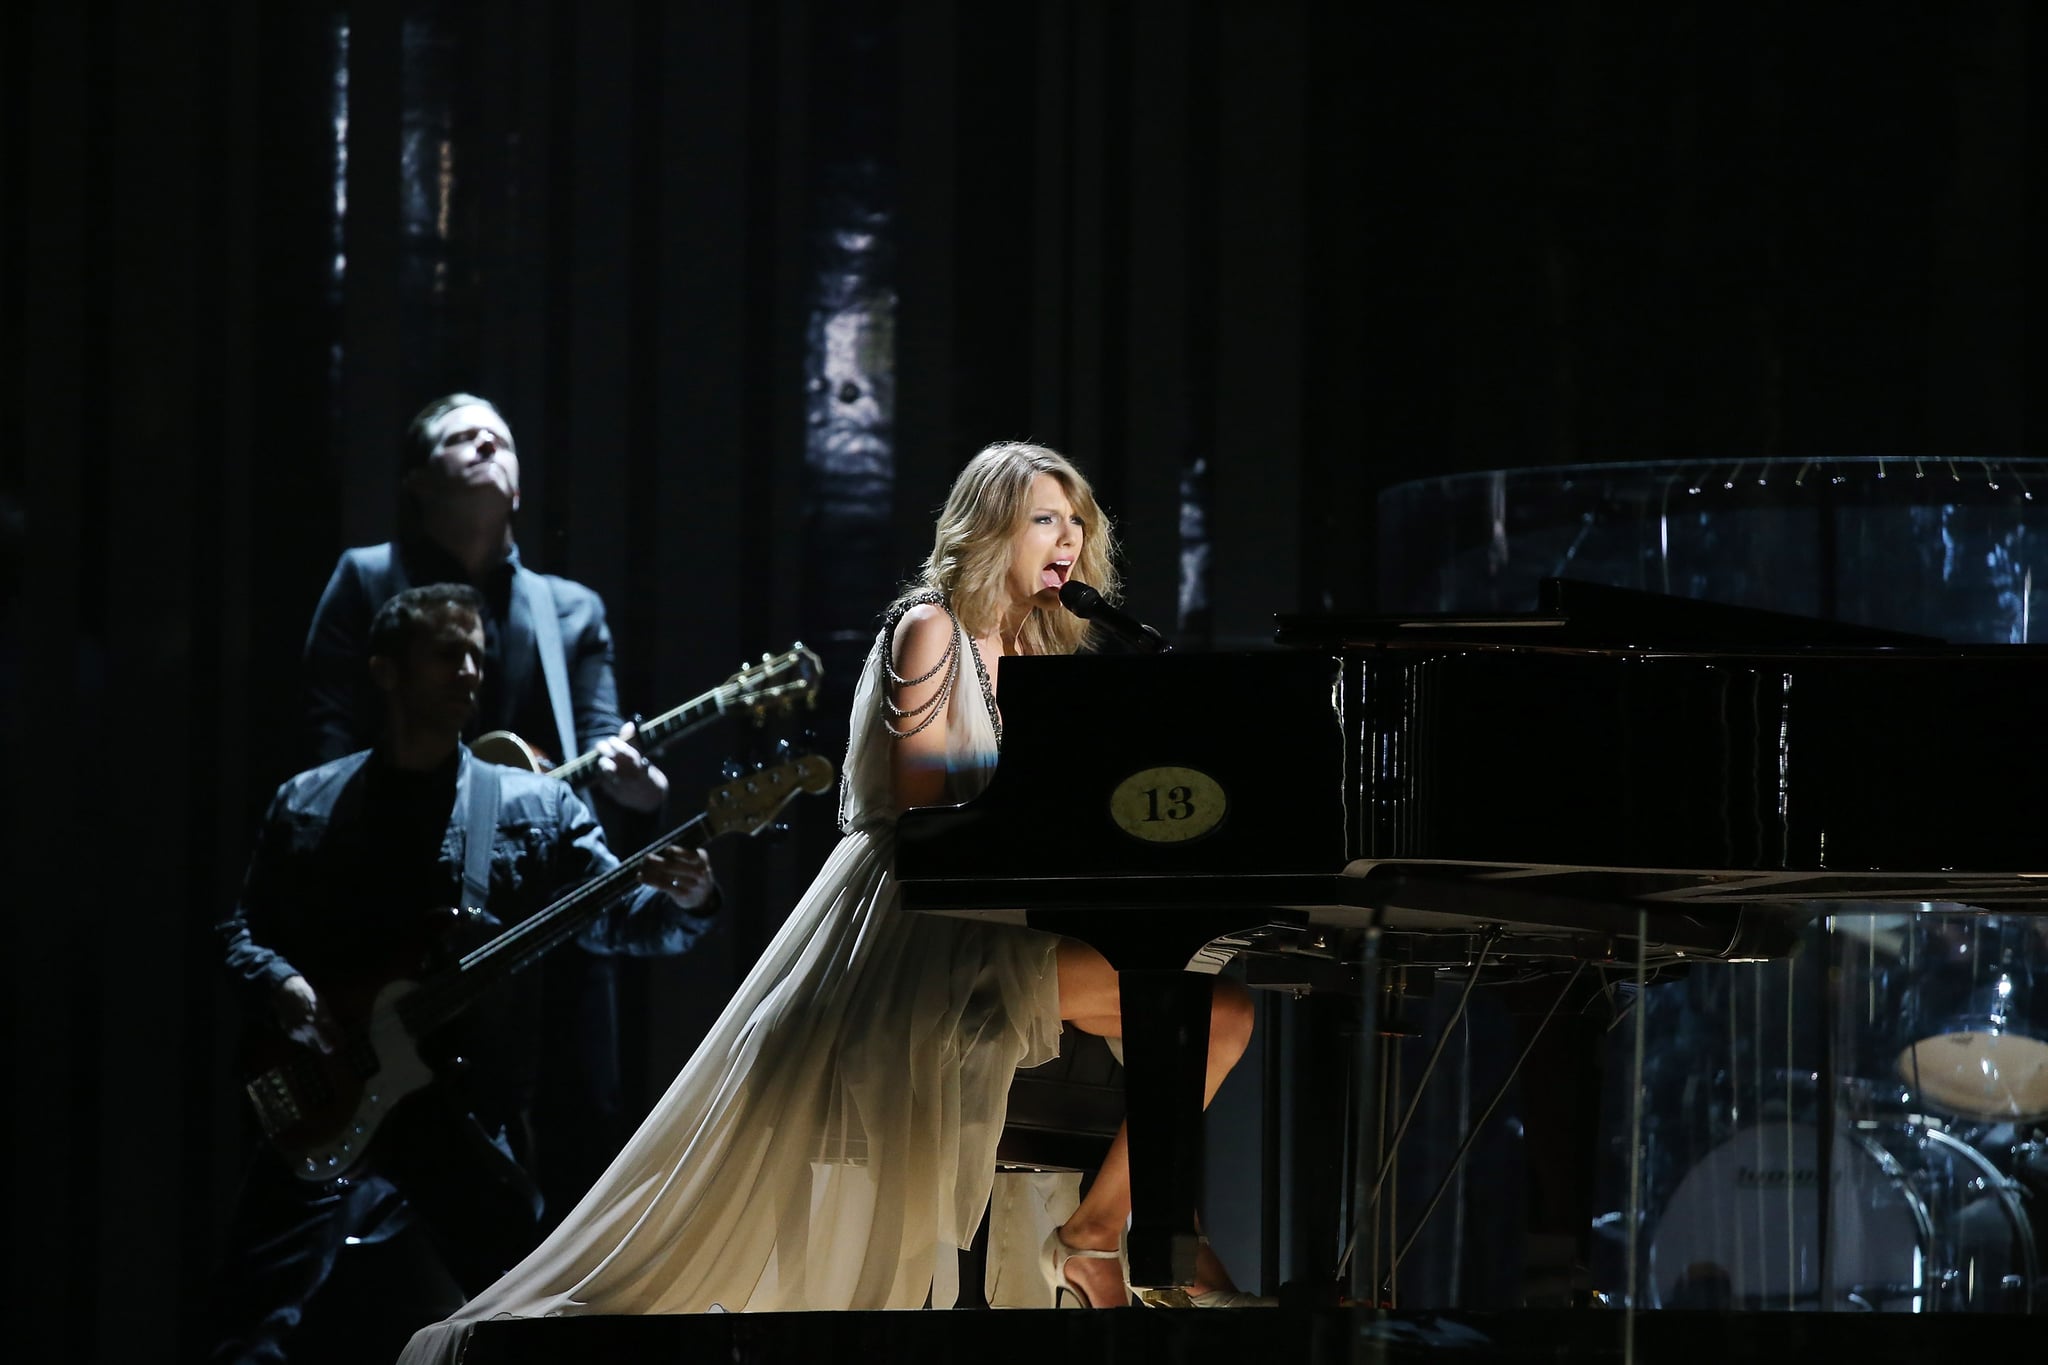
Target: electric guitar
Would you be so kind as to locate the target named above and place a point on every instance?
(320, 1110)
(776, 684)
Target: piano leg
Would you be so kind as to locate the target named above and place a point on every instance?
(1166, 1051)
(1166, 1062)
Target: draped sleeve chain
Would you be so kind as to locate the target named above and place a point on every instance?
(973, 735)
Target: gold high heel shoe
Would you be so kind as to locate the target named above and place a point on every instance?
(1231, 1298)
(1208, 1298)
(1054, 1262)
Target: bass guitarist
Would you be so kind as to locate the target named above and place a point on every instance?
(352, 859)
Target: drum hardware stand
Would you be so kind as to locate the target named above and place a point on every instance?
(1478, 1125)
(2009, 1189)
(1363, 1282)
(1372, 1076)
(1635, 1139)
(1389, 1045)
(1824, 1118)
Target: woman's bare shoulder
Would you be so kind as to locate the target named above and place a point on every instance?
(921, 637)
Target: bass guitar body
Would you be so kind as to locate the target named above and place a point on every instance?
(320, 1110)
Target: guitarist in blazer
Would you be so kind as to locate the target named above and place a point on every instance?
(353, 858)
(545, 637)
(547, 678)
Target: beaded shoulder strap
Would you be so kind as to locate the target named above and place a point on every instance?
(923, 714)
(932, 707)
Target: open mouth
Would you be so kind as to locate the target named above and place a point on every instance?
(1055, 573)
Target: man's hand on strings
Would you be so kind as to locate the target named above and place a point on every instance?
(681, 873)
(303, 1015)
(629, 778)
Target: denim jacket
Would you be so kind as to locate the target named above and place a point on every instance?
(317, 899)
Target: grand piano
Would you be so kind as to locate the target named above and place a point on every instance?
(1614, 777)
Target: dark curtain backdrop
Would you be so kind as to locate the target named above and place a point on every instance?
(750, 281)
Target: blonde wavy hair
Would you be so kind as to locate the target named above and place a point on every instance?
(971, 546)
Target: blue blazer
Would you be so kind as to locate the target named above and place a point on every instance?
(553, 657)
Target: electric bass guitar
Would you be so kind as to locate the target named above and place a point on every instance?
(777, 684)
(320, 1109)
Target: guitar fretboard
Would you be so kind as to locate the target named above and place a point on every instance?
(437, 1001)
(650, 735)
(740, 806)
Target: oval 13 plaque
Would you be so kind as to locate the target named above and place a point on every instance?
(1167, 805)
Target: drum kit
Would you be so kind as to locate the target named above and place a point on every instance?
(1936, 1145)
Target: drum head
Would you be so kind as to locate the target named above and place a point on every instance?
(1964, 1019)
(1983, 1075)
(1741, 1230)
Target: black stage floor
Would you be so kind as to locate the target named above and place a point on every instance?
(1260, 1337)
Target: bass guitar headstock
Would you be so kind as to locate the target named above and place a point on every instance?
(750, 803)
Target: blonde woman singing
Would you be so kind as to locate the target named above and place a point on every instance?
(832, 1142)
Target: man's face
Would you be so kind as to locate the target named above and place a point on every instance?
(473, 457)
(435, 684)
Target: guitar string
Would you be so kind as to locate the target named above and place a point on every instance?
(707, 707)
(539, 931)
(716, 703)
(547, 924)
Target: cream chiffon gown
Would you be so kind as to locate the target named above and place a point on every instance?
(832, 1142)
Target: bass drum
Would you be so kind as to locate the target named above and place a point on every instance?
(1920, 1222)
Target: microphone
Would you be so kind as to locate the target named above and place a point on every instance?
(1088, 604)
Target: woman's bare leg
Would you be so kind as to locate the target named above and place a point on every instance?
(1089, 997)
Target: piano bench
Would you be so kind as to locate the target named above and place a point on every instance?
(1062, 1117)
